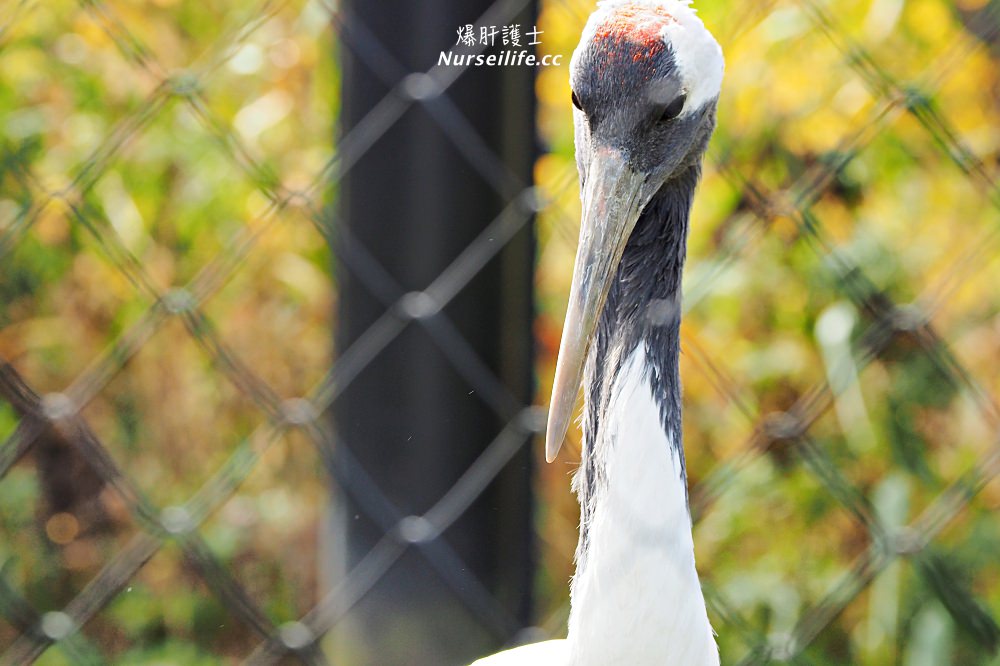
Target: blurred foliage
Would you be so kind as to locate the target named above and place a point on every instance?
(899, 102)
(111, 147)
(897, 105)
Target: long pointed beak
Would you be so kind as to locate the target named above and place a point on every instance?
(613, 198)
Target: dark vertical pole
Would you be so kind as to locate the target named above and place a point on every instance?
(410, 420)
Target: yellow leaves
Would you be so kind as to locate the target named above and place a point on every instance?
(963, 103)
(882, 19)
(262, 114)
(301, 276)
(307, 53)
(790, 83)
(91, 33)
(852, 98)
(838, 220)
(553, 87)
(786, 74)
(719, 197)
(553, 92)
(822, 131)
(25, 336)
(930, 20)
(546, 172)
(122, 212)
(22, 68)
(256, 205)
(286, 53)
(52, 225)
(562, 26)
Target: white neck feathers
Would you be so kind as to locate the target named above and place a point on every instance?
(636, 598)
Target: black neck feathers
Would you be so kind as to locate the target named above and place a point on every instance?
(643, 307)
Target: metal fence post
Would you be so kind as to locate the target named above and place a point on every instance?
(411, 419)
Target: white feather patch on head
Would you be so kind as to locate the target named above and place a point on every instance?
(697, 54)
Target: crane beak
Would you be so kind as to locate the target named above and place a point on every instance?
(613, 198)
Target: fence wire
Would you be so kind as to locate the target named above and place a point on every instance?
(786, 434)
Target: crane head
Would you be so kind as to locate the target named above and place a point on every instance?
(645, 80)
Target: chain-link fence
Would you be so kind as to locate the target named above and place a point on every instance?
(164, 239)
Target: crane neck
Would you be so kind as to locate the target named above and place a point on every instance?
(635, 595)
(642, 309)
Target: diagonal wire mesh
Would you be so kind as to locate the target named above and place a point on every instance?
(859, 501)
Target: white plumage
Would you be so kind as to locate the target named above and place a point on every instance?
(642, 541)
(552, 653)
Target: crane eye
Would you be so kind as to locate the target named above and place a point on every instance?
(674, 108)
(576, 101)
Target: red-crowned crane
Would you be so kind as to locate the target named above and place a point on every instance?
(645, 78)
